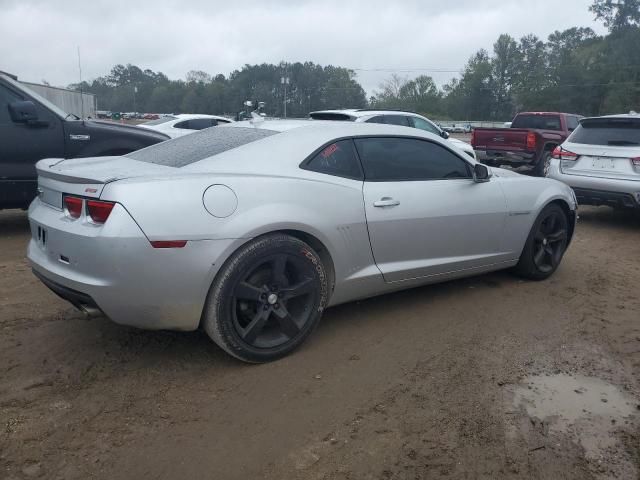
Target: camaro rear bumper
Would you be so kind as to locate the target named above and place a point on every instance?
(113, 269)
(597, 190)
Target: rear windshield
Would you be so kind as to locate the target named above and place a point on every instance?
(197, 146)
(607, 131)
(539, 122)
(330, 116)
(160, 120)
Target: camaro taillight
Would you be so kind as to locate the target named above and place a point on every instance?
(73, 206)
(636, 161)
(562, 154)
(99, 210)
(531, 141)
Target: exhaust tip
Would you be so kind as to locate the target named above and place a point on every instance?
(90, 312)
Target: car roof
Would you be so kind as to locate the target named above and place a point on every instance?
(188, 116)
(617, 115)
(365, 112)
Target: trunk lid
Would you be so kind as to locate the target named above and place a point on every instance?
(86, 177)
(602, 161)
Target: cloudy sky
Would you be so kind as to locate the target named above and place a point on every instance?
(374, 37)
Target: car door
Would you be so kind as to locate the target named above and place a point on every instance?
(21, 146)
(425, 214)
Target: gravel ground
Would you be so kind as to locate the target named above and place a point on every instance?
(485, 378)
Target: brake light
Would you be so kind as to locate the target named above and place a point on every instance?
(168, 243)
(531, 140)
(73, 206)
(562, 154)
(636, 161)
(99, 210)
(473, 138)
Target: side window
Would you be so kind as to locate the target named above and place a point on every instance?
(572, 123)
(376, 119)
(201, 123)
(422, 124)
(338, 158)
(183, 124)
(6, 97)
(390, 159)
(396, 120)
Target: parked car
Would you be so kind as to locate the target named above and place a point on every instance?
(528, 142)
(601, 161)
(32, 128)
(201, 231)
(392, 117)
(183, 124)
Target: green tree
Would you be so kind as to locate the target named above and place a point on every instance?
(617, 14)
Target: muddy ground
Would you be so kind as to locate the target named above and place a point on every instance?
(485, 378)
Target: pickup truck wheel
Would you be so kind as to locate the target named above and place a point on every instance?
(545, 245)
(542, 167)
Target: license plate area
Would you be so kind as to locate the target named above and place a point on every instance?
(600, 163)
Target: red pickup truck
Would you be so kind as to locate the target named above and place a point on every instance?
(528, 142)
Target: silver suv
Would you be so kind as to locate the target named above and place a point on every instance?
(600, 160)
(392, 117)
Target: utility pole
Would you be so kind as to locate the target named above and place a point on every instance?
(285, 81)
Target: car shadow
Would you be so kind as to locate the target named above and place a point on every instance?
(625, 219)
(13, 222)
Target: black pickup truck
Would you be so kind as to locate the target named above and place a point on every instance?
(32, 128)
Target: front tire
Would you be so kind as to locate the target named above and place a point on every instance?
(545, 245)
(267, 299)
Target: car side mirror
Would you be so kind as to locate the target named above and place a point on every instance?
(480, 173)
(444, 134)
(23, 111)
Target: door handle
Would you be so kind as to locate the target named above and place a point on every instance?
(386, 202)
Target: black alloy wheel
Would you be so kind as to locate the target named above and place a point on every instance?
(267, 298)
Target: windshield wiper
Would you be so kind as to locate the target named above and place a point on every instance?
(622, 142)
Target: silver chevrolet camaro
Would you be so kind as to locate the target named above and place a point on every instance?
(251, 230)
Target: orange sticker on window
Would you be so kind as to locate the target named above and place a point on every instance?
(330, 150)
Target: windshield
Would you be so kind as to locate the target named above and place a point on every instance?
(158, 121)
(607, 131)
(331, 116)
(198, 146)
(538, 122)
(37, 97)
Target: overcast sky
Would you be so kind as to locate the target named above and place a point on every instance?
(374, 37)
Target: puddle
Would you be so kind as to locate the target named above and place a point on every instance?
(587, 409)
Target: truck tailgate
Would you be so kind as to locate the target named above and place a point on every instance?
(498, 139)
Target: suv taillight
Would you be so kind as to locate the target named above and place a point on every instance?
(73, 205)
(562, 154)
(531, 140)
(99, 210)
(636, 161)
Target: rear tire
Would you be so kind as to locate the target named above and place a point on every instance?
(545, 245)
(541, 168)
(267, 299)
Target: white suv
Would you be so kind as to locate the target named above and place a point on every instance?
(391, 117)
(601, 161)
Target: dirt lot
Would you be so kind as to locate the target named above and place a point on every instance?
(489, 377)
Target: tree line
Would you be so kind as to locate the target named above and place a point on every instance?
(574, 70)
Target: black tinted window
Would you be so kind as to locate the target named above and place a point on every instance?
(197, 123)
(197, 146)
(337, 159)
(607, 131)
(6, 97)
(396, 120)
(376, 119)
(540, 122)
(394, 159)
